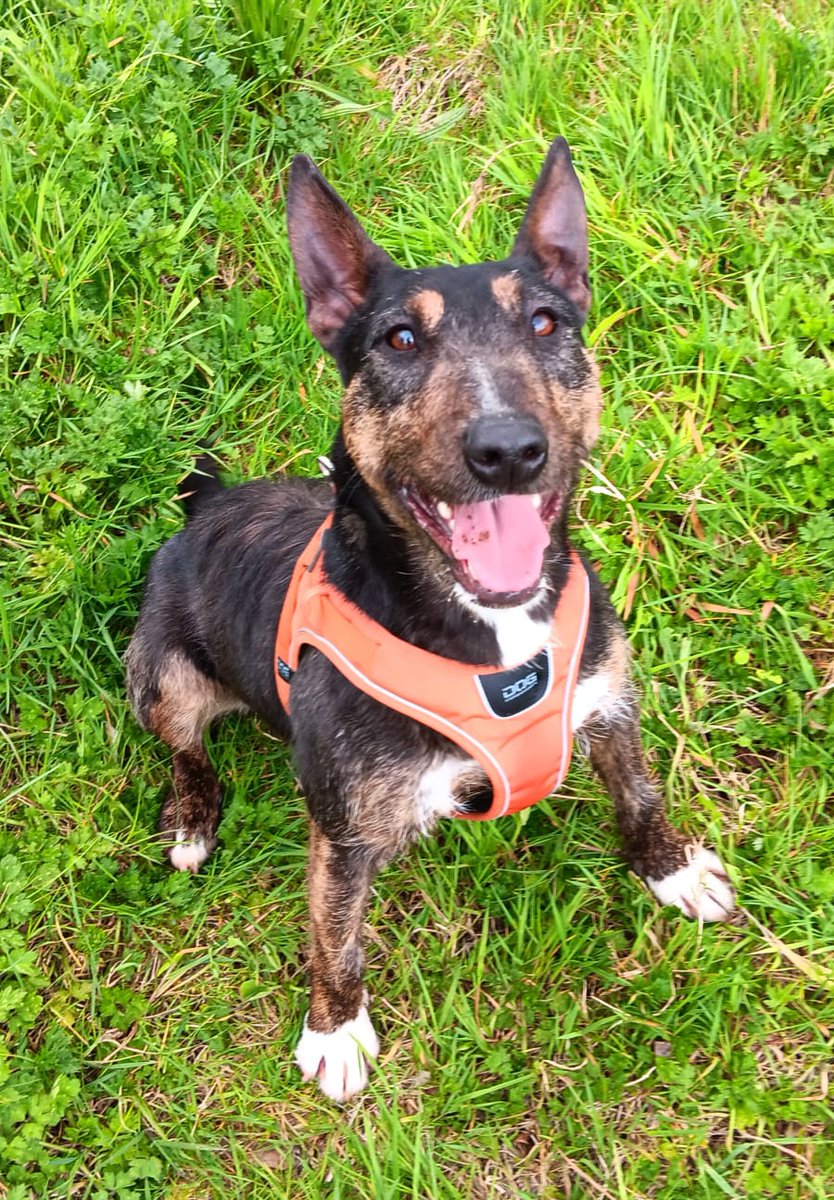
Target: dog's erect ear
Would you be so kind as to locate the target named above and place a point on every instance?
(334, 257)
(555, 228)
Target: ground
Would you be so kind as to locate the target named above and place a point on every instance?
(547, 1029)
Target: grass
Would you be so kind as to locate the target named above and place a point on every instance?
(548, 1031)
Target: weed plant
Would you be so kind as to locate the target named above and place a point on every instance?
(548, 1030)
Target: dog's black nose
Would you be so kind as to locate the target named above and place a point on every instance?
(505, 452)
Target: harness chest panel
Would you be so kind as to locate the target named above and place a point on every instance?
(515, 722)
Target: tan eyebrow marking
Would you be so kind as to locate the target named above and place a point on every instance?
(428, 306)
(507, 291)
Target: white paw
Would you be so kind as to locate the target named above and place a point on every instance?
(701, 889)
(338, 1059)
(188, 855)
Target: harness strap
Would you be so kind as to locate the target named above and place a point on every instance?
(515, 722)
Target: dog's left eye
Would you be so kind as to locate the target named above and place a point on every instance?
(542, 322)
(401, 338)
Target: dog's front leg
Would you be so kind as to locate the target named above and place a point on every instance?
(678, 872)
(338, 1036)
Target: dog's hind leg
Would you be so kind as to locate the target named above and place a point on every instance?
(175, 700)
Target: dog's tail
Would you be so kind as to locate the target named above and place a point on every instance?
(202, 482)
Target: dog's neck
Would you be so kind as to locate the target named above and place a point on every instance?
(370, 559)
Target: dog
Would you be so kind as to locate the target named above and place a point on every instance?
(470, 404)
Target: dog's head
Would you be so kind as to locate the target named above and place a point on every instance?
(470, 399)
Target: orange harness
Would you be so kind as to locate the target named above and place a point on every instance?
(514, 722)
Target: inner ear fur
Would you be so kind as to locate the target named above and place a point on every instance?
(555, 227)
(334, 258)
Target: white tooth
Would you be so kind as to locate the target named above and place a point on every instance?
(537, 501)
(452, 526)
(444, 511)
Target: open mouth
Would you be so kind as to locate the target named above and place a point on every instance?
(496, 547)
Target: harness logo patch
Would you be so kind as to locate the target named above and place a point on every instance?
(514, 690)
(508, 693)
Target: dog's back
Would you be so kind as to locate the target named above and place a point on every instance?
(213, 595)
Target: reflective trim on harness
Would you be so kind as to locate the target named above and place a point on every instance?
(515, 722)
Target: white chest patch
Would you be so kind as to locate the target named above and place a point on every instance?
(519, 636)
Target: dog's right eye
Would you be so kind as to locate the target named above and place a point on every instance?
(401, 338)
(542, 322)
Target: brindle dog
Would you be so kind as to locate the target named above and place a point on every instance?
(468, 391)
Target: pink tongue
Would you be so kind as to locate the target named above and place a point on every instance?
(501, 541)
